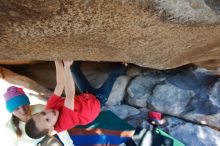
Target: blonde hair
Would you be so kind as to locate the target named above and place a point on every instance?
(15, 122)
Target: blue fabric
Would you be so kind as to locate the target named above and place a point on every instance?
(105, 121)
(98, 139)
(101, 93)
(16, 102)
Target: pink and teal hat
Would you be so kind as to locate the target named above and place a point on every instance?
(15, 97)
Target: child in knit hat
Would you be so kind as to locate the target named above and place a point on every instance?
(15, 97)
(17, 103)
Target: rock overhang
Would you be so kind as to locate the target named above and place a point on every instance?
(139, 32)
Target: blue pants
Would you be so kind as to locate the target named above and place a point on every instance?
(101, 93)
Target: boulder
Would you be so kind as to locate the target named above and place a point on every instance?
(140, 88)
(191, 134)
(215, 94)
(156, 34)
(118, 91)
(169, 99)
(122, 111)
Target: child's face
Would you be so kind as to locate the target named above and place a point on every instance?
(46, 119)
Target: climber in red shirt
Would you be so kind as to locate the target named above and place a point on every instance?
(64, 113)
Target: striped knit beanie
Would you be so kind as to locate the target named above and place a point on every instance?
(15, 97)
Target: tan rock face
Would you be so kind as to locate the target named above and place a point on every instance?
(103, 30)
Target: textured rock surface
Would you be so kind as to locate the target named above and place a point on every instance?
(190, 11)
(118, 91)
(164, 96)
(123, 111)
(140, 89)
(215, 93)
(103, 30)
(192, 135)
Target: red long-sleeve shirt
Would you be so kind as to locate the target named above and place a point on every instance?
(86, 109)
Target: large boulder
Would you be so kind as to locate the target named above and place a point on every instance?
(169, 99)
(191, 134)
(205, 111)
(123, 111)
(140, 88)
(130, 31)
(215, 94)
(118, 91)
